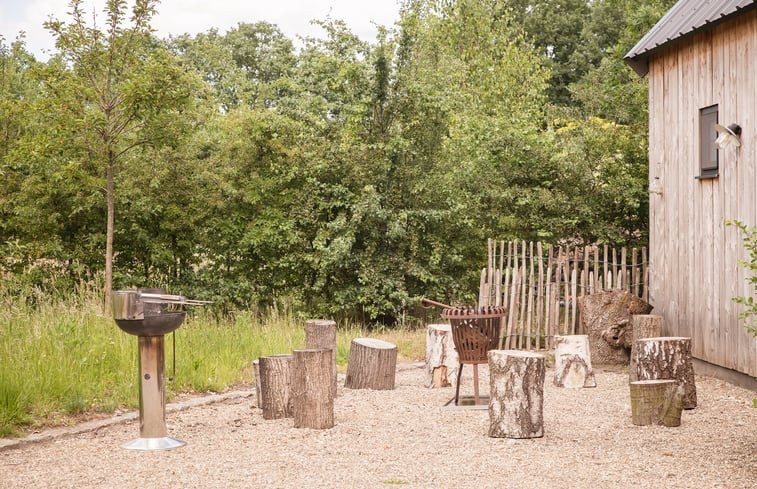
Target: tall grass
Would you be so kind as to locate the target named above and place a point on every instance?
(61, 358)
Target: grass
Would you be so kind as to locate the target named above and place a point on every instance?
(59, 360)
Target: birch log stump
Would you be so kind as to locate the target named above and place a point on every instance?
(275, 382)
(644, 326)
(442, 360)
(668, 358)
(312, 397)
(372, 364)
(256, 373)
(321, 333)
(573, 362)
(516, 381)
(656, 402)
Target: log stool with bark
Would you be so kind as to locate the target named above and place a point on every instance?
(668, 358)
(656, 402)
(372, 364)
(312, 396)
(573, 362)
(643, 326)
(275, 382)
(516, 381)
(606, 318)
(441, 356)
(321, 333)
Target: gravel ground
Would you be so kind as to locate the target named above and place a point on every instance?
(403, 438)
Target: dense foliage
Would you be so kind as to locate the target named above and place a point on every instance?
(351, 177)
(749, 241)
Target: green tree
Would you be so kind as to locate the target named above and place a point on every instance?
(749, 241)
(17, 95)
(555, 27)
(125, 92)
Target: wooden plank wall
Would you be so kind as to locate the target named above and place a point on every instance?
(694, 254)
(540, 284)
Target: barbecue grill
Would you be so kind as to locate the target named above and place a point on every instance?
(150, 314)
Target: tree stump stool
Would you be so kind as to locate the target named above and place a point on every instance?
(312, 397)
(441, 356)
(321, 333)
(573, 362)
(643, 326)
(516, 380)
(256, 373)
(275, 382)
(372, 364)
(668, 358)
(656, 402)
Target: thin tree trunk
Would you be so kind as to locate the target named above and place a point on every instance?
(109, 230)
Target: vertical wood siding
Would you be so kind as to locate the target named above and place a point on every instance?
(694, 271)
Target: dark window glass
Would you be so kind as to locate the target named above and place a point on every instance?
(708, 150)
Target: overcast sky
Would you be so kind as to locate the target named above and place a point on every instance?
(179, 16)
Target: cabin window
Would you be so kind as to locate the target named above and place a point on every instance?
(708, 149)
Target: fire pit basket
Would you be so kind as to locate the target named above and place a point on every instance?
(475, 331)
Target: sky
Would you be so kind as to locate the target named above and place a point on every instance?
(193, 16)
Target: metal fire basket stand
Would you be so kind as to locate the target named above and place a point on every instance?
(146, 314)
(475, 331)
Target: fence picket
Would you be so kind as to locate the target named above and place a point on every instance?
(541, 293)
(548, 299)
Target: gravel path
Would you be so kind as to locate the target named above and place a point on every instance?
(403, 438)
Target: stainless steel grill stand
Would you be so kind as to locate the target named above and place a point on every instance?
(152, 398)
(144, 313)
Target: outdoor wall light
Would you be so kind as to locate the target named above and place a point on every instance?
(728, 135)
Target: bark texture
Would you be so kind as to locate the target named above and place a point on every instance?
(321, 333)
(656, 402)
(275, 383)
(606, 318)
(442, 360)
(312, 399)
(372, 364)
(668, 358)
(516, 381)
(643, 326)
(573, 362)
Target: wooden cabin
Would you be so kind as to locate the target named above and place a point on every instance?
(701, 62)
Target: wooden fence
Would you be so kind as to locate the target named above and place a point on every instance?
(540, 290)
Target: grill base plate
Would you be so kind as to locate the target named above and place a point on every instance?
(146, 444)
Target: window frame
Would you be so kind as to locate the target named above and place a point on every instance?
(709, 167)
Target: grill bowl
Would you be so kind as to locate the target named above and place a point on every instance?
(156, 325)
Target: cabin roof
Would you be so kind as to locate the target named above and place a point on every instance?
(684, 19)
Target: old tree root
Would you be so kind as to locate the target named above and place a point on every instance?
(606, 317)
